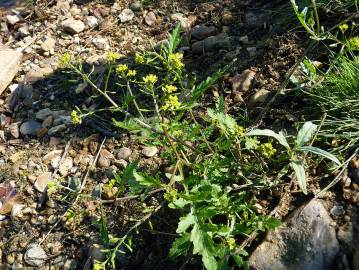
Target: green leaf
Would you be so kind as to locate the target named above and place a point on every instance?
(185, 223)
(272, 223)
(270, 133)
(203, 244)
(178, 204)
(146, 180)
(320, 152)
(174, 39)
(180, 246)
(300, 173)
(129, 178)
(305, 133)
(204, 85)
(104, 232)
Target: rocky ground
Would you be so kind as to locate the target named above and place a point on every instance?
(38, 142)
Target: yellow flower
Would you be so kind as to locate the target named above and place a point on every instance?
(176, 60)
(131, 73)
(267, 149)
(150, 79)
(353, 43)
(113, 56)
(65, 59)
(169, 88)
(171, 103)
(75, 118)
(343, 27)
(121, 68)
(139, 59)
(231, 243)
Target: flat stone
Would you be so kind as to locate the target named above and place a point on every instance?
(65, 166)
(73, 26)
(48, 44)
(136, 6)
(43, 114)
(124, 153)
(42, 181)
(200, 32)
(9, 66)
(91, 21)
(104, 159)
(51, 155)
(212, 43)
(14, 130)
(35, 256)
(24, 31)
(12, 19)
(150, 18)
(149, 151)
(101, 43)
(259, 97)
(126, 15)
(30, 127)
(306, 241)
(242, 82)
(56, 129)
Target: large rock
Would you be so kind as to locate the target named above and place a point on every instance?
(306, 241)
(73, 26)
(9, 66)
(30, 127)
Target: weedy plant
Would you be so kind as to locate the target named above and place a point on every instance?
(215, 166)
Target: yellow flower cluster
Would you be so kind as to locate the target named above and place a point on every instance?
(171, 103)
(131, 73)
(343, 27)
(75, 118)
(169, 88)
(176, 60)
(113, 56)
(65, 59)
(150, 79)
(267, 149)
(231, 243)
(121, 68)
(353, 43)
(139, 59)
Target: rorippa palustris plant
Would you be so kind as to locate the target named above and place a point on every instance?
(215, 166)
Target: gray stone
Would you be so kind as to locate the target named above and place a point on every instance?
(14, 130)
(12, 19)
(212, 43)
(124, 153)
(56, 129)
(136, 6)
(126, 15)
(24, 31)
(306, 241)
(35, 255)
(150, 18)
(38, 74)
(66, 166)
(42, 181)
(43, 114)
(9, 66)
(91, 21)
(258, 97)
(149, 151)
(73, 26)
(101, 43)
(48, 44)
(200, 32)
(30, 127)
